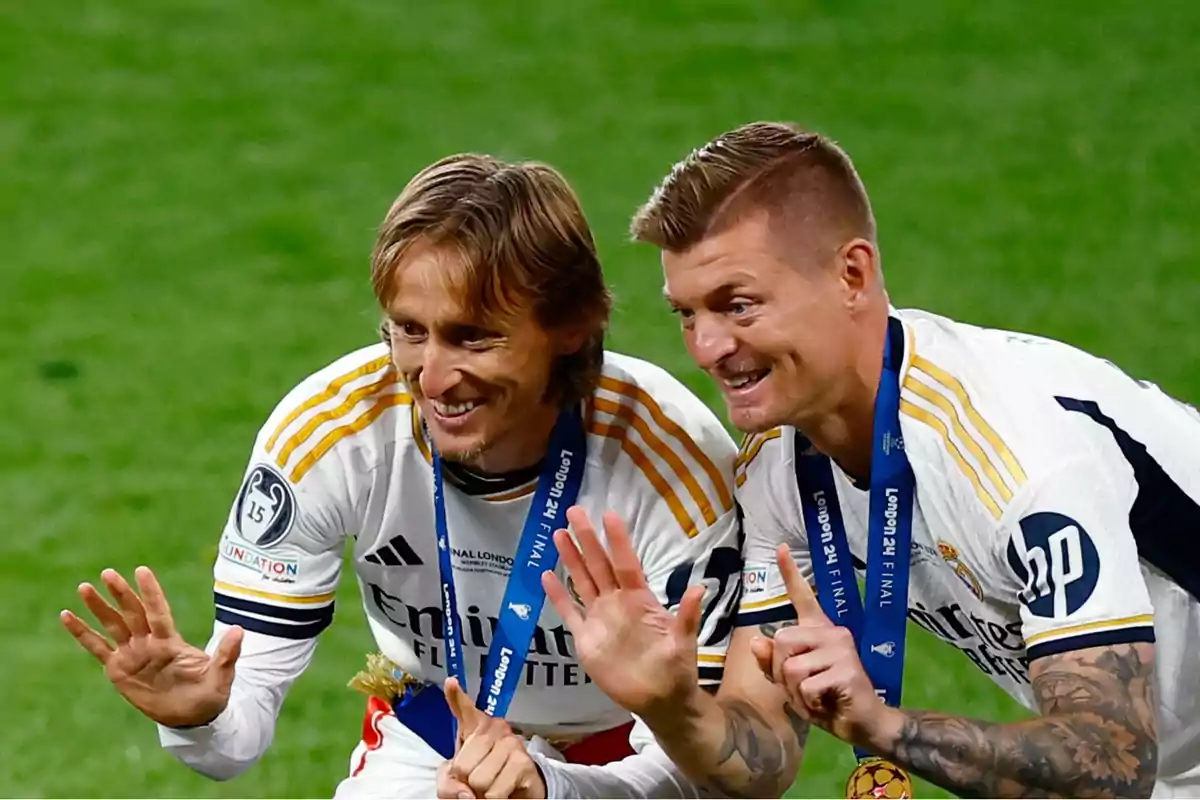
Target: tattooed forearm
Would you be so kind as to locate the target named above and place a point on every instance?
(754, 760)
(746, 741)
(1096, 738)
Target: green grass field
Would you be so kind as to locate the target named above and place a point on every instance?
(188, 195)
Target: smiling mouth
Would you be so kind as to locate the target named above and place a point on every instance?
(451, 411)
(744, 381)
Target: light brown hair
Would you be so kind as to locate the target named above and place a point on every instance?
(524, 247)
(802, 180)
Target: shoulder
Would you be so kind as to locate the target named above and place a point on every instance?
(759, 454)
(648, 422)
(1003, 411)
(766, 488)
(974, 406)
(344, 401)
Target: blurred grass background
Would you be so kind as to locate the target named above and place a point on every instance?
(189, 191)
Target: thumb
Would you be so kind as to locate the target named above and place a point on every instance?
(687, 618)
(224, 660)
(764, 653)
(461, 707)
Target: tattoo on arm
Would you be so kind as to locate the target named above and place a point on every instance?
(755, 757)
(1096, 739)
(764, 754)
(769, 629)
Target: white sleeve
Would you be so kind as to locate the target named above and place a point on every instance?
(765, 488)
(1072, 562)
(648, 773)
(277, 569)
(241, 734)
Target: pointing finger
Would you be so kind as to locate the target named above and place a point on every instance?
(461, 707)
(808, 608)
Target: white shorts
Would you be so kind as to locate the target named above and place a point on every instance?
(390, 761)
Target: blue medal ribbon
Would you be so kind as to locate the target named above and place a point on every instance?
(557, 490)
(879, 628)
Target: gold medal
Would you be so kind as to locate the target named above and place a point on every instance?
(877, 777)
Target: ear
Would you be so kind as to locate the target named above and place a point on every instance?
(860, 275)
(569, 339)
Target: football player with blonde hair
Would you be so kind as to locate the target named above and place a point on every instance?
(445, 457)
(1026, 502)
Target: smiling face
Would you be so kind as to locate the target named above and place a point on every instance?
(496, 305)
(769, 258)
(481, 385)
(779, 338)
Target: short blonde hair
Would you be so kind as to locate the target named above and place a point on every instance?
(525, 247)
(797, 177)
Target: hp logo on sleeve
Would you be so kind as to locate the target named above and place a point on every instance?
(1058, 562)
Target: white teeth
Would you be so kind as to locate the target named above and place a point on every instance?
(455, 409)
(745, 379)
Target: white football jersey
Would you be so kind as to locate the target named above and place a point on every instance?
(1057, 506)
(345, 458)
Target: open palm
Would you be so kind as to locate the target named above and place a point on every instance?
(148, 662)
(639, 653)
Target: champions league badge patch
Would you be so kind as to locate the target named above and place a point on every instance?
(266, 507)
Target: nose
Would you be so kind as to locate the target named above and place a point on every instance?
(439, 370)
(710, 342)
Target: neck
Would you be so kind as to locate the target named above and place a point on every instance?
(525, 447)
(844, 430)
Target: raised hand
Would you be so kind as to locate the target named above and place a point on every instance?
(490, 761)
(639, 653)
(147, 661)
(817, 663)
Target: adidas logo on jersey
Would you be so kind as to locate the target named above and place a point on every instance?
(396, 553)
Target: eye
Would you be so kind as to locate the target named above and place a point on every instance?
(739, 308)
(409, 330)
(475, 337)
(686, 315)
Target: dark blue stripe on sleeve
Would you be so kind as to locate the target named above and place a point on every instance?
(711, 673)
(777, 614)
(1142, 633)
(290, 613)
(306, 630)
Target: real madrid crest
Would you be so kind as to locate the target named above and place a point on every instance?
(950, 553)
(878, 777)
(266, 507)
